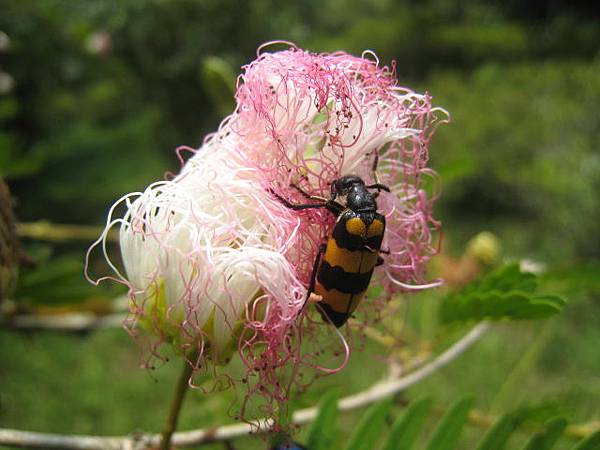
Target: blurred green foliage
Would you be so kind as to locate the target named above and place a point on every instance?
(523, 146)
(370, 432)
(96, 94)
(104, 91)
(506, 293)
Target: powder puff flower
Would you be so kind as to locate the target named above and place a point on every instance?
(216, 263)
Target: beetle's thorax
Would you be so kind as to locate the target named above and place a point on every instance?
(359, 199)
(356, 195)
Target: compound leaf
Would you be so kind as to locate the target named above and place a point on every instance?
(445, 436)
(506, 293)
(322, 434)
(369, 428)
(407, 427)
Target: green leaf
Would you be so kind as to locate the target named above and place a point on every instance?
(592, 442)
(504, 293)
(57, 281)
(218, 79)
(497, 436)
(445, 436)
(369, 428)
(322, 434)
(541, 413)
(547, 438)
(406, 428)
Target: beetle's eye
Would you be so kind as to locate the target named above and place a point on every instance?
(339, 186)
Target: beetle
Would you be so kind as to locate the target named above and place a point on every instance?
(344, 265)
(289, 446)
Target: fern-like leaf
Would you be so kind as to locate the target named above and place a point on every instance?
(445, 436)
(547, 438)
(407, 427)
(322, 435)
(504, 293)
(497, 436)
(592, 442)
(368, 431)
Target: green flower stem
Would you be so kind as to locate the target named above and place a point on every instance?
(284, 422)
(180, 391)
(284, 414)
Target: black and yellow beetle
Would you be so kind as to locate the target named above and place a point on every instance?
(344, 266)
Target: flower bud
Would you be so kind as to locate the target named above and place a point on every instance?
(486, 247)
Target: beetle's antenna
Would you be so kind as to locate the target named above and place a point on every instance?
(377, 185)
(307, 195)
(374, 167)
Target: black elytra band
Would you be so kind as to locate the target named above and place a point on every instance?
(345, 282)
(352, 242)
(328, 314)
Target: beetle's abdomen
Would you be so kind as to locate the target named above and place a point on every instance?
(347, 265)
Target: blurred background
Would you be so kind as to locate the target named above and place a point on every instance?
(95, 95)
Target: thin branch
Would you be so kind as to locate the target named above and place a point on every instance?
(82, 320)
(378, 391)
(26, 439)
(387, 388)
(64, 322)
(56, 232)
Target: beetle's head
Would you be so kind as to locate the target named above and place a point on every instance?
(343, 185)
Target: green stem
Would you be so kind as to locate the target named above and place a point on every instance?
(180, 391)
(284, 414)
(284, 420)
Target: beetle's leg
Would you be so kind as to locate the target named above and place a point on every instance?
(333, 206)
(315, 271)
(380, 260)
(290, 205)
